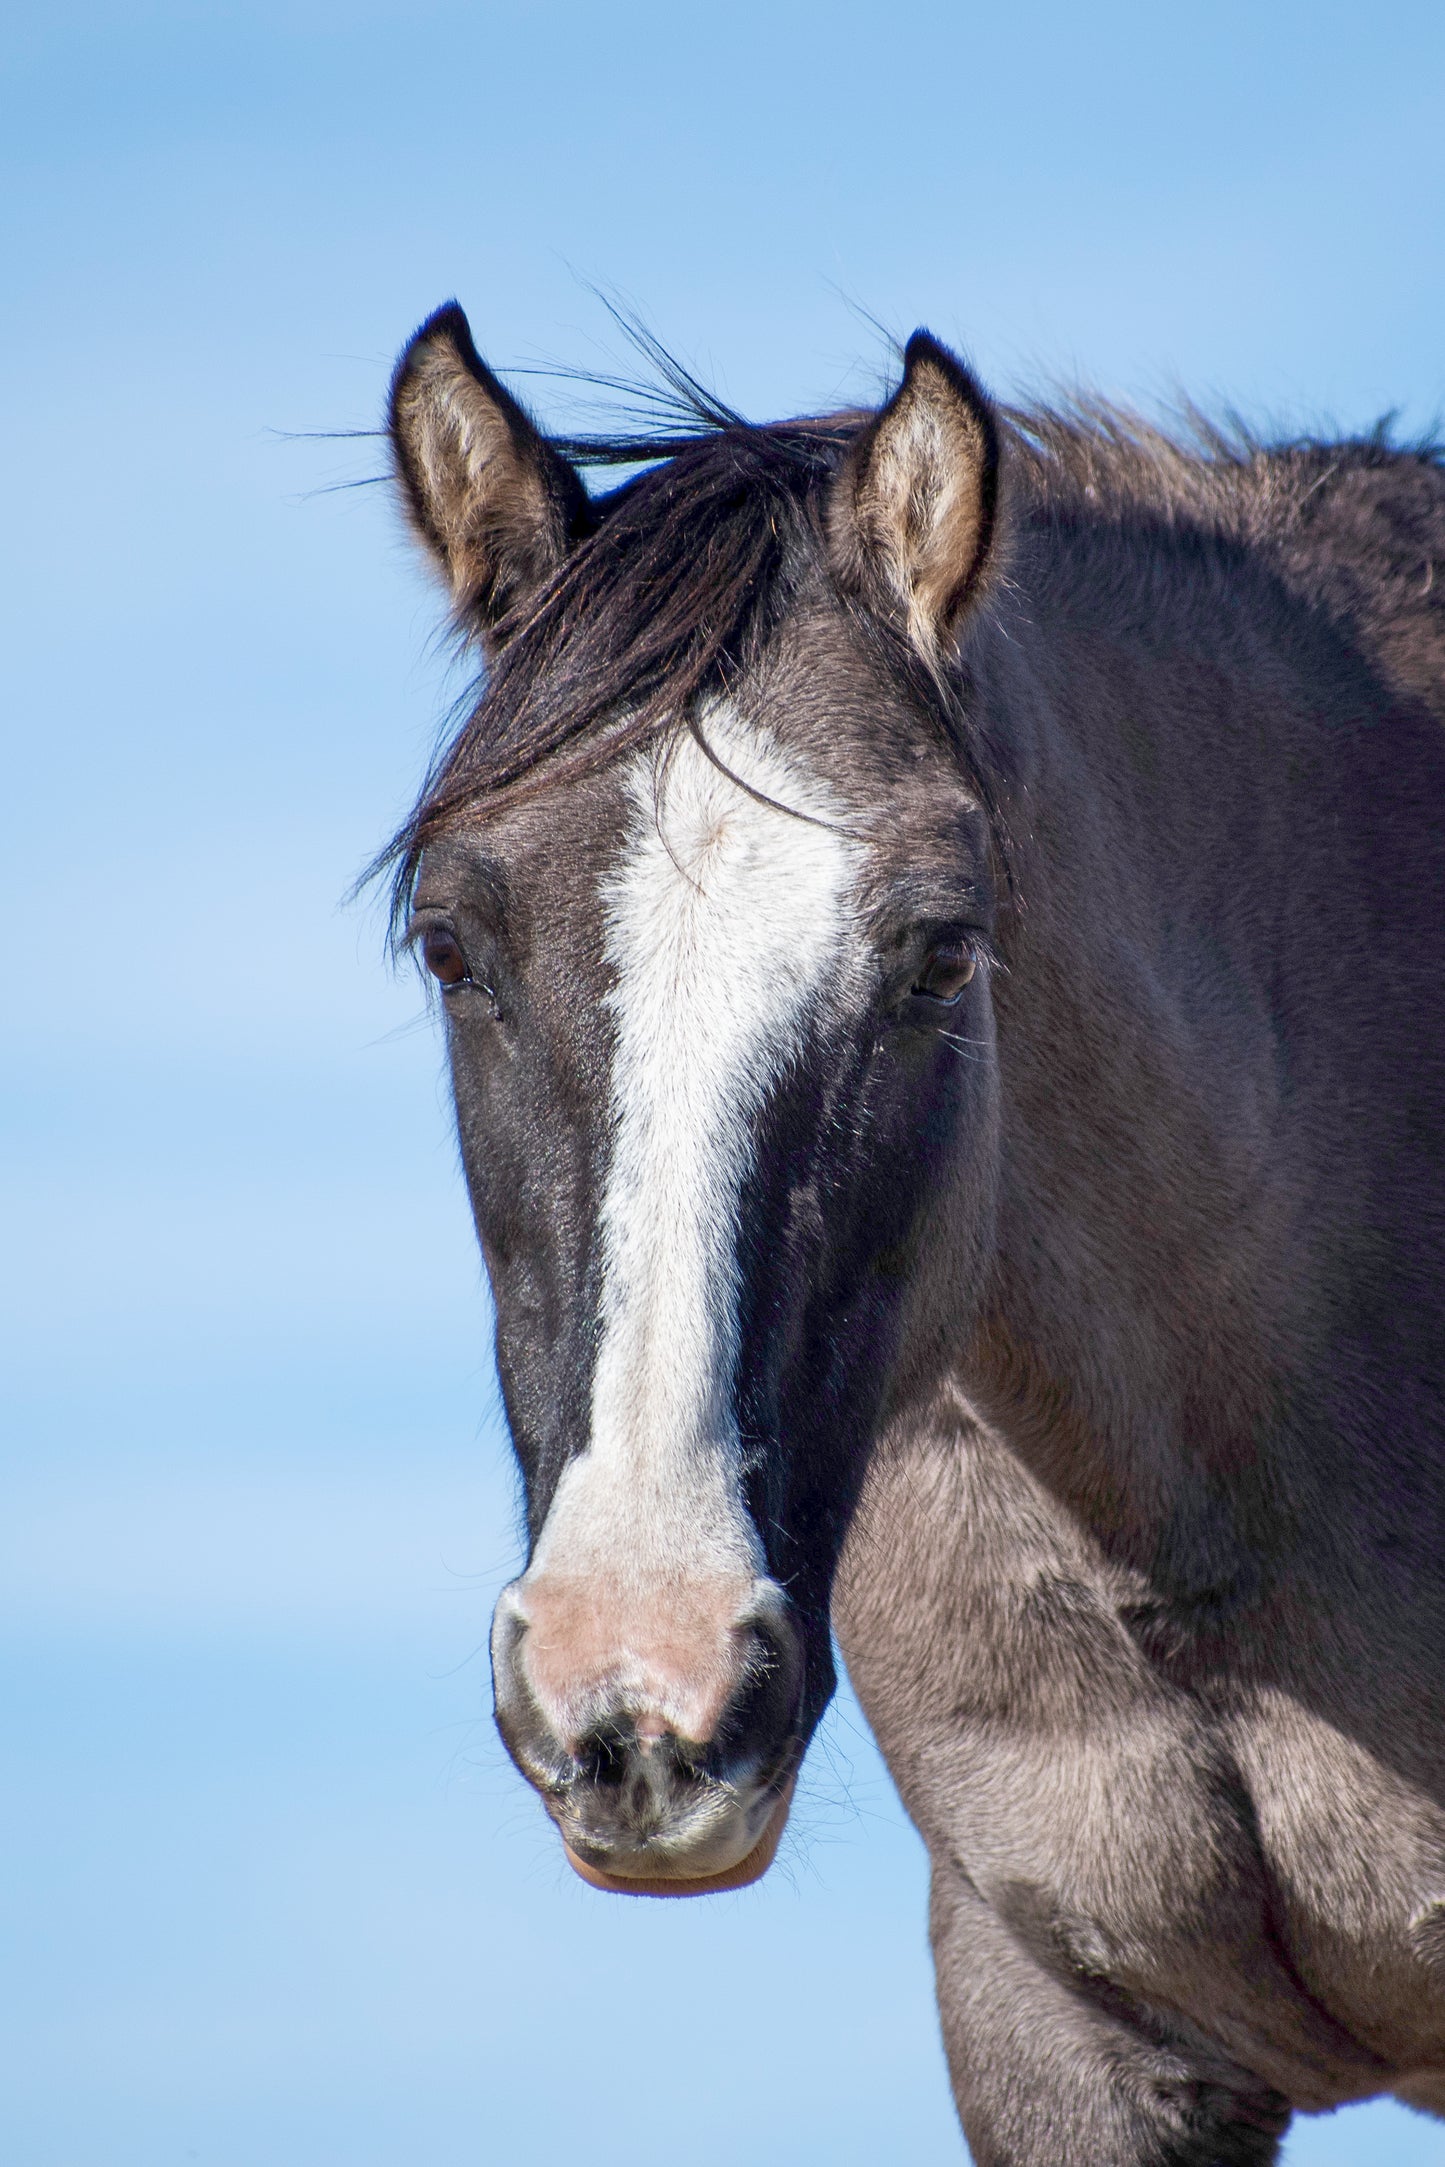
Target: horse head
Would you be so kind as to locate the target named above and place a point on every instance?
(708, 882)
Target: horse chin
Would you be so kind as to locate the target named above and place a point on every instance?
(649, 1882)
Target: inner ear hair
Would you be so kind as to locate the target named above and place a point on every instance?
(914, 507)
(495, 506)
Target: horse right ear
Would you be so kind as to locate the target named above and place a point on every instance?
(495, 506)
(912, 513)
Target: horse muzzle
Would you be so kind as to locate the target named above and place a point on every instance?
(664, 1738)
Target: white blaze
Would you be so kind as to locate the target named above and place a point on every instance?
(724, 921)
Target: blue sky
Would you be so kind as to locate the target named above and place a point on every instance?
(270, 1892)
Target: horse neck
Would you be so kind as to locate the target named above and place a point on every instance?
(1144, 1311)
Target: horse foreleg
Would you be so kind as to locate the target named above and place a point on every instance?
(1048, 2072)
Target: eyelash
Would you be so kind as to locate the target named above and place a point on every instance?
(971, 947)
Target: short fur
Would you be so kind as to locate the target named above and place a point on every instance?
(1089, 1351)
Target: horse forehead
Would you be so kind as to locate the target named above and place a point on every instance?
(739, 859)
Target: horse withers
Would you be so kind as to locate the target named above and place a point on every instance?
(940, 917)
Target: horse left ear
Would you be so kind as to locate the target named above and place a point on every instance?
(495, 506)
(913, 509)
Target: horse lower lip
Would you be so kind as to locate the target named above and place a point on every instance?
(749, 1868)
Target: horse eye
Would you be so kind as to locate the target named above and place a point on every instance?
(946, 973)
(443, 957)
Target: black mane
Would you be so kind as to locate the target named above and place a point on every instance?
(674, 590)
(686, 568)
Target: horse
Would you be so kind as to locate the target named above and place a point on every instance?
(939, 912)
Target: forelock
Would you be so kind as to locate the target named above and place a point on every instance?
(671, 596)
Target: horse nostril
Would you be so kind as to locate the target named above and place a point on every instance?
(633, 1765)
(604, 1759)
(764, 1707)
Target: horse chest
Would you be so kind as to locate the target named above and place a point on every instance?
(1248, 1869)
(1356, 1854)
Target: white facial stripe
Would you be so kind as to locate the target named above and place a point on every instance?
(724, 921)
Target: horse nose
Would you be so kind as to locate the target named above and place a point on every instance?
(657, 1732)
(701, 1663)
